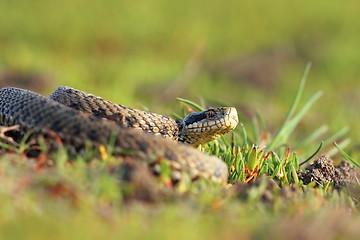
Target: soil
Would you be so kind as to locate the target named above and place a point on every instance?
(323, 171)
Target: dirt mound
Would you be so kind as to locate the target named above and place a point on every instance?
(323, 171)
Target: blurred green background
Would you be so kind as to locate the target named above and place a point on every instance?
(249, 54)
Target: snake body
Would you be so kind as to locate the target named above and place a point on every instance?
(76, 130)
(195, 129)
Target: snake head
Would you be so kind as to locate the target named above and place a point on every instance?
(202, 127)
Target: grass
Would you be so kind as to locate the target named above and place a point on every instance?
(243, 53)
(90, 200)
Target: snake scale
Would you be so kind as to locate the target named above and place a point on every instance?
(93, 120)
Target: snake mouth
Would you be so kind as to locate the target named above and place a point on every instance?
(232, 118)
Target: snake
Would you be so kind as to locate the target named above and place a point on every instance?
(80, 120)
(195, 129)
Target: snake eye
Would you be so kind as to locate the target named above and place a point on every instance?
(211, 113)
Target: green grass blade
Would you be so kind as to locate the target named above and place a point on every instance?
(256, 130)
(176, 116)
(314, 135)
(7, 146)
(336, 136)
(346, 156)
(293, 107)
(191, 103)
(344, 143)
(288, 127)
(243, 133)
(312, 155)
(299, 93)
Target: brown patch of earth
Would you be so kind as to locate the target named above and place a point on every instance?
(323, 171)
